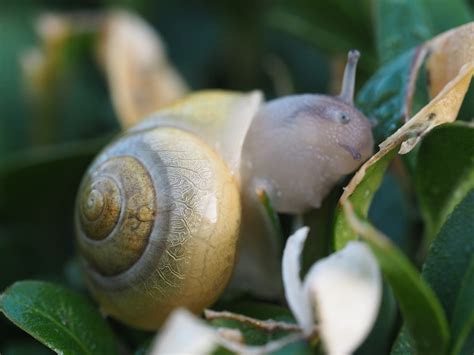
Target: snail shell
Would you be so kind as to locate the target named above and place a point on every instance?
(157, 222)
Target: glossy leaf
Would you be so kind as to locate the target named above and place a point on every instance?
(272, 216)
(361, 199)
(462, 324)
(444, 173)
(390, 209)
(450, 260)
(384, 97)
(444, 15)
(400, 26)
(403, 344)
(449, 271)
(421, 310)
(63, 320)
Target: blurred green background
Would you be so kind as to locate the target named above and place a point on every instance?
(48, 137)
(239, 45)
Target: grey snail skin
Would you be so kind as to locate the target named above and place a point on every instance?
(164, 209)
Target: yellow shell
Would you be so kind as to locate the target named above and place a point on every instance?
(157, 223)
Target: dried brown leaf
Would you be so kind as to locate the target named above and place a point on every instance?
(451, 67)
(449, 52)
(140, 76)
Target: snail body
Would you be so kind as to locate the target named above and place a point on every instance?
(161, 210)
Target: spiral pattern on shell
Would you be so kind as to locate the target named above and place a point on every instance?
(157, 222)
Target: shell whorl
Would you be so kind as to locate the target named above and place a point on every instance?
(117, 211)
(157, 223)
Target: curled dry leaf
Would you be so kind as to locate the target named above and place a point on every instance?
(450, 67)
(40, 64)
(54, 27)
(45, 67)
(341, 292)
(449, 52)
(442, 109)
(140, 76)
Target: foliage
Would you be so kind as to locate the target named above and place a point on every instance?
(421, 204)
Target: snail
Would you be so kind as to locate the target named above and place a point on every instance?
(161, 211)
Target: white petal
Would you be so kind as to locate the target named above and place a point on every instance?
(291, 266)
(184, 333)
(345, 289)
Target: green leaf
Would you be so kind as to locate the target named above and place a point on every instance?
(462, 325)
(444, 14)
(445, 173)
(400, 26)
(360, 199)
(63, 320)
(421, 310)
(390, 211)
(383, 98)
(449, 268)
(451, 254)
(272, 216)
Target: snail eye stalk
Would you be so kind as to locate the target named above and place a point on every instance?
(348, 82)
